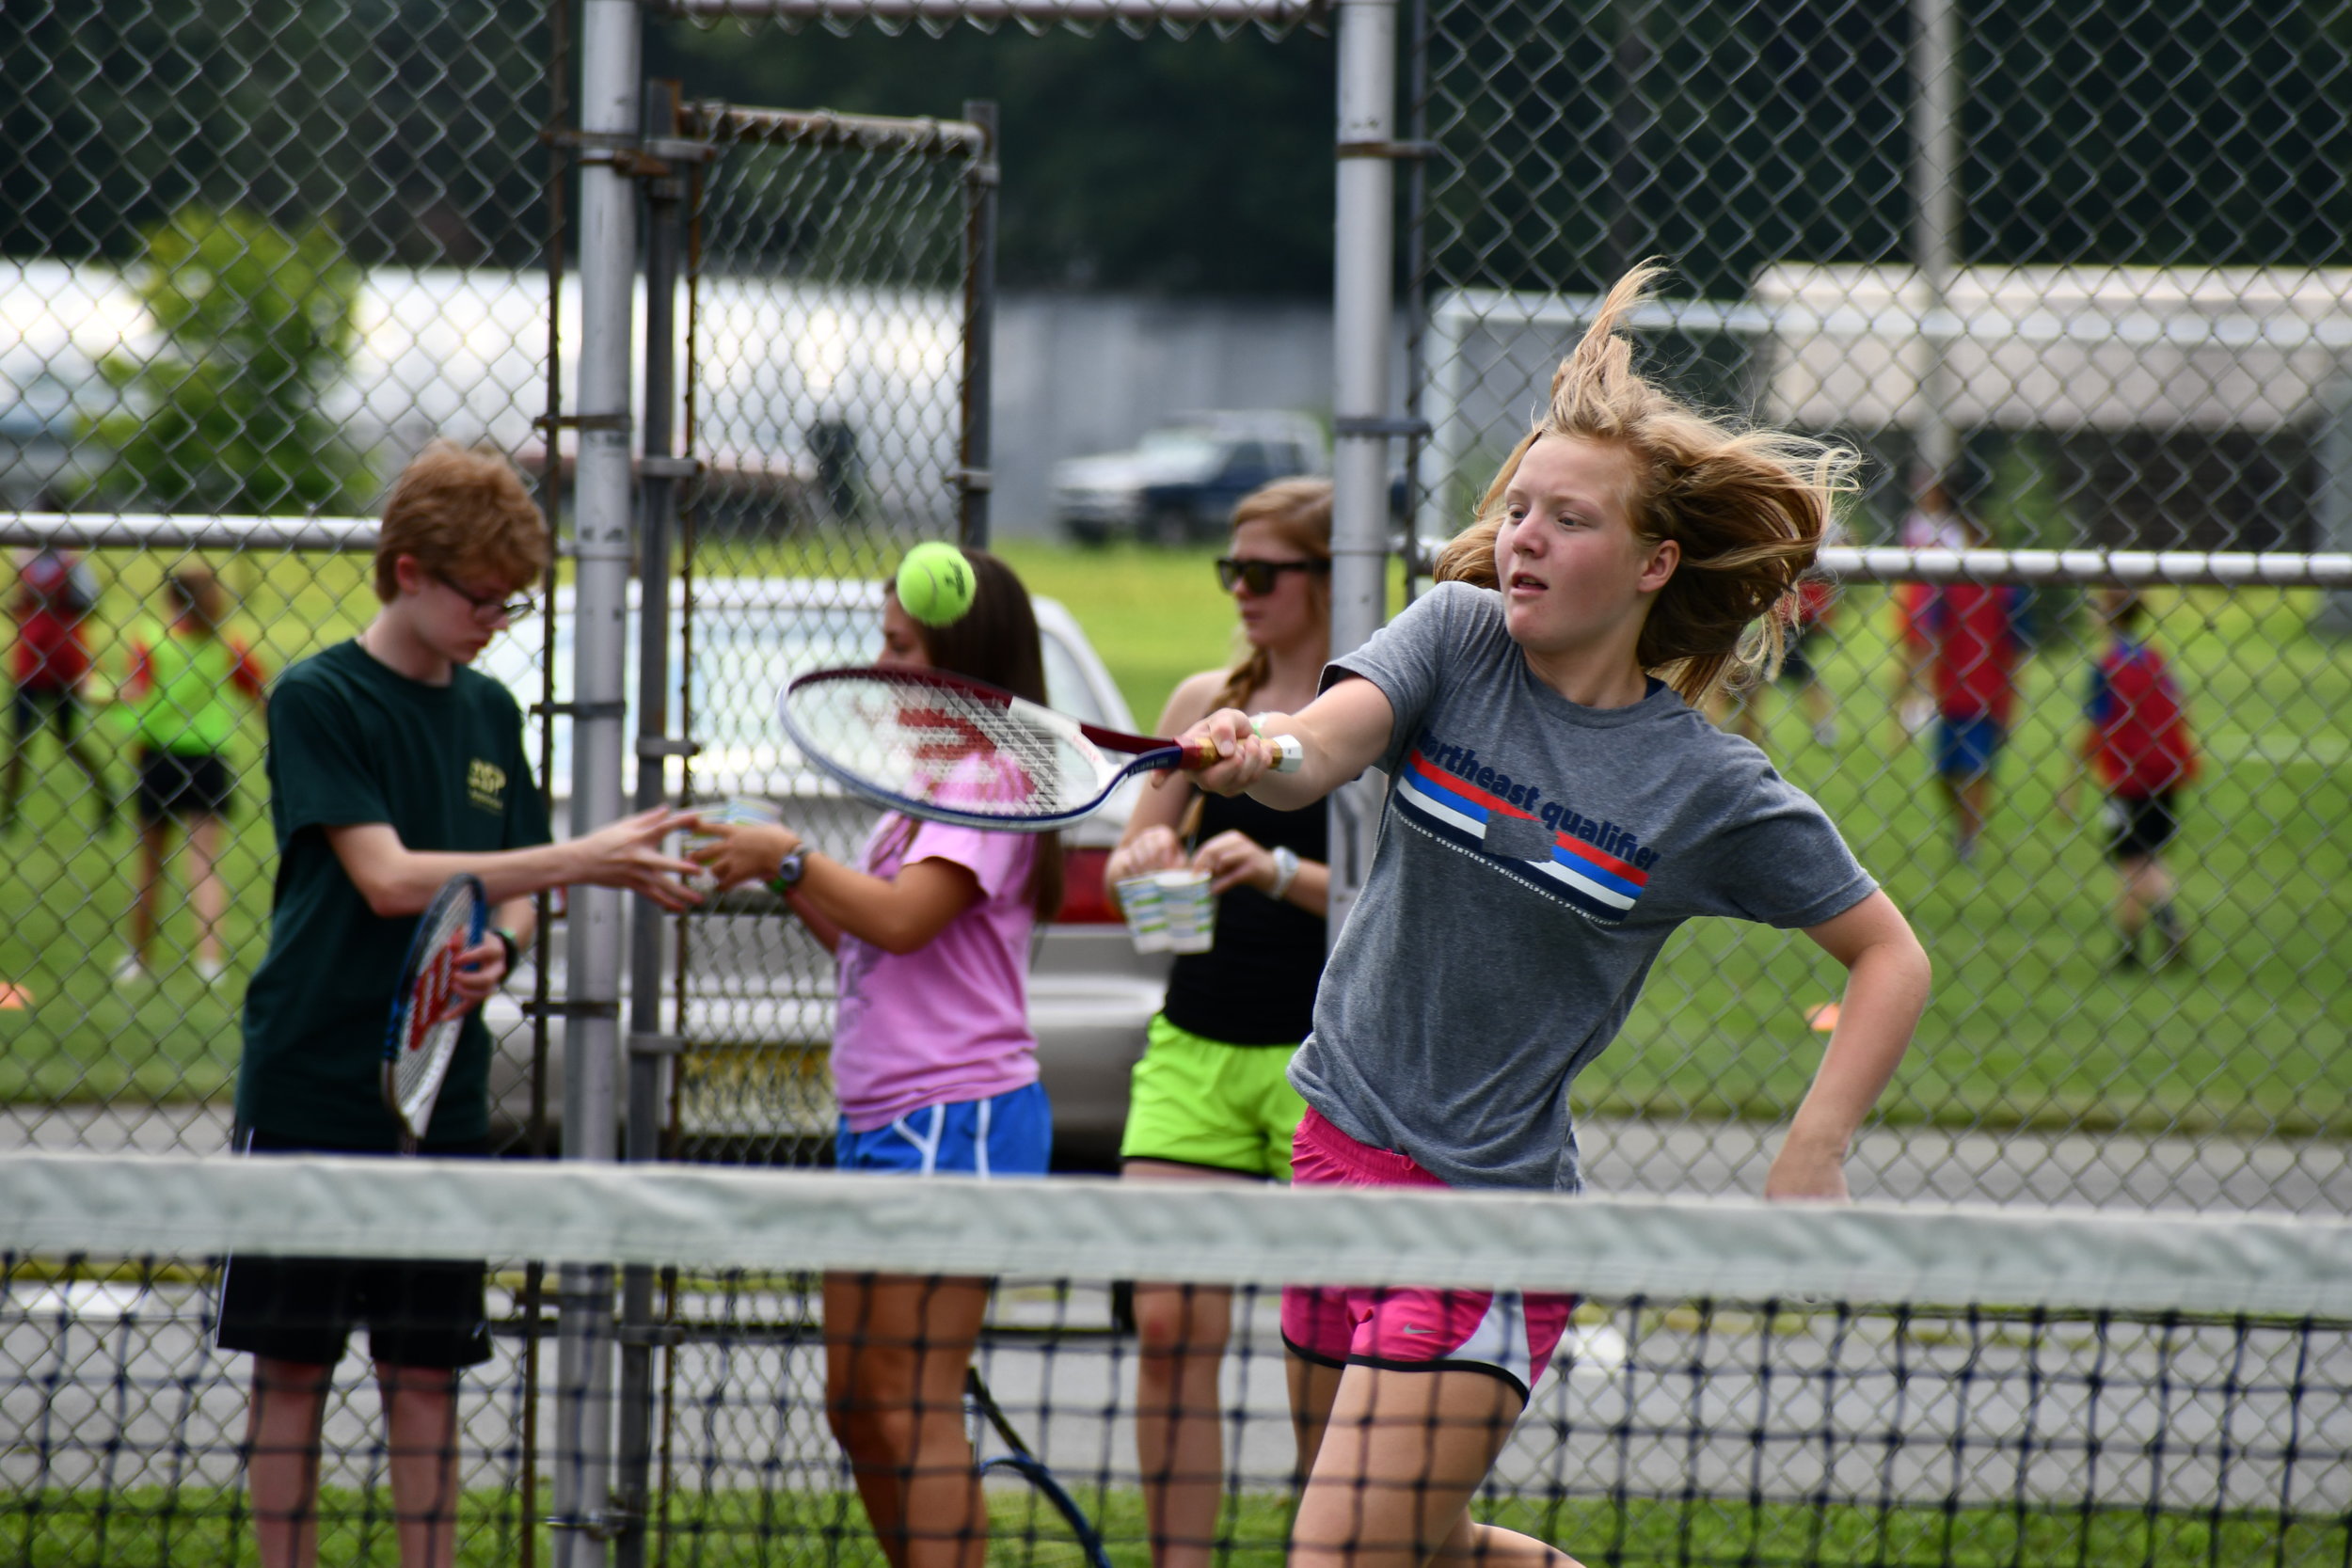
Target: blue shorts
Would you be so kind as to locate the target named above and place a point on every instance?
(1965, 748)
(1007, 1134)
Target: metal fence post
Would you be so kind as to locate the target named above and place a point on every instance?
(974, 480)
(1362, 308)
(603, 506)
(647, 1046)
(1935, 198)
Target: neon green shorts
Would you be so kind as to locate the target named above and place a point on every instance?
(1199, 1101)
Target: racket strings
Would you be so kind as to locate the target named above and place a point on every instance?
(926, 741)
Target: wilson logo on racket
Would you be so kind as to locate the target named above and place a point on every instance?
(436, 993)
(1601, 883)
(427, 1012)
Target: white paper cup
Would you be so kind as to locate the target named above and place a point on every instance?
(1189, 910)
(1140, 904)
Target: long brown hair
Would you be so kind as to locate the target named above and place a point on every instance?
(996, 641)
(1749, 507)
(1299, 511)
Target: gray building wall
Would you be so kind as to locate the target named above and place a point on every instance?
(1077, 374)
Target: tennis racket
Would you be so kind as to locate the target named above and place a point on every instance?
(946, 749)
(1046, 1528)
(427, 1013)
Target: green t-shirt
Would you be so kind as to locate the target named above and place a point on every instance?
(353, 742)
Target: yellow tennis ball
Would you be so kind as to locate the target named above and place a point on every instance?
(935, 584)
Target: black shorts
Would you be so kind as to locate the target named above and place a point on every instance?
(33, 707)
(2140, 825)
(172, 786)
(425, 1314)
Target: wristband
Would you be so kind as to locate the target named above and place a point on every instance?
(513, 948)
(1285, 871)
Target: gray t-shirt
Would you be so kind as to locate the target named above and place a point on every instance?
(1534, 856)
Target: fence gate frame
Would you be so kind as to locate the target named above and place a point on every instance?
(598, 1434)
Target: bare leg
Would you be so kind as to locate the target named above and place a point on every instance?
(420, 1429)
(1181, 1331)
(1180, 1441)
(12, 778)
(205, 889)
(155, 848)
(1820, 711)
(282, 1462)
(2132, 900)
(896, 1350)
(1312, 1387)
(1402, 1455)
(1976, 806)
(78, 750)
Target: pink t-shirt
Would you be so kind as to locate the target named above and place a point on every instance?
(949, 1021)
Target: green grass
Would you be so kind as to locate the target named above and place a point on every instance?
(2028, 1027)
(193, 1527)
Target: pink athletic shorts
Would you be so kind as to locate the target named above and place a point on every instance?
(1509, 1334)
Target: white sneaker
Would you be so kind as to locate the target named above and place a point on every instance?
(127, 971)
(210, 970)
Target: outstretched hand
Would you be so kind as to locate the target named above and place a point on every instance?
(627, 855)
(736, 852)
(1243, 755)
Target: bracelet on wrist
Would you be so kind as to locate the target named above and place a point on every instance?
(513, 948)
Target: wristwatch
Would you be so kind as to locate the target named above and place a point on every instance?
(1285, 871)
(791, 869)
(513, 948)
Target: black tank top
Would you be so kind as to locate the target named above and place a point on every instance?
(1257, 985)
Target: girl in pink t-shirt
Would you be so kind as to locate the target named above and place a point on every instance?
(935, 1069)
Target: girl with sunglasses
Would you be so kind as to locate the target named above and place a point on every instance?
(1210, 1099)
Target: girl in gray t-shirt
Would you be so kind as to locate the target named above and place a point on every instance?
(1555, 808)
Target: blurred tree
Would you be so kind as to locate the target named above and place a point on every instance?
(257, 324)
(1199, 164)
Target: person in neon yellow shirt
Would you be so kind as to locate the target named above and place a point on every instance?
(177, 698)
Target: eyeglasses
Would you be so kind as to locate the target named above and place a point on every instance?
(492, 607)
(1260, 577)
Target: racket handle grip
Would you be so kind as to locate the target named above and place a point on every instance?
(1288, 754)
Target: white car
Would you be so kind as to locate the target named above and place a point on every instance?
(746, 987)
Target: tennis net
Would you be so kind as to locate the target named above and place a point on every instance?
(1738, 1383)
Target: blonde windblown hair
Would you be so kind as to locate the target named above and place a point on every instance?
(1749, 507)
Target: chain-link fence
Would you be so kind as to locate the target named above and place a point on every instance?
(255, 257)
(2096, 304)
(838, 303)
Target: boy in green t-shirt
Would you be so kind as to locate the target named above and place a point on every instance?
(392, 768)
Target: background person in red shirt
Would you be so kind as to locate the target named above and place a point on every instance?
(1979, 642)
(2135, 739)
(1932, 523)
(51, 661)
(1806, 616)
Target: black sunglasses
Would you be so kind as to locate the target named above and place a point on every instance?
(1260, 576)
